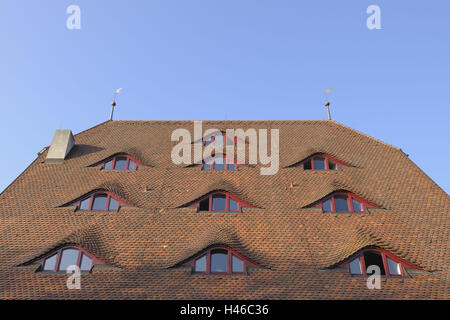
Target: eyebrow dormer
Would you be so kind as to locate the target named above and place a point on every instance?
(58, 260)
(220, 259)
(99, 200)
(219, 163)
(343, 202)
(390, 265)
(119, 161)
(219, 201)
(321, 161)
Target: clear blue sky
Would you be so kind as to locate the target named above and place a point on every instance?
(233, 59)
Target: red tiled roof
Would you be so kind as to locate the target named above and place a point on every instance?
(145, 244)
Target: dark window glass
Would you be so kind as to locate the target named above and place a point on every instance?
(218, 203)
(319, 164)
(219, 164)
(69, 258)
(84, 205)
(200, 264)
(108, 165)
(237, 265)
(355, 266)
(113, 204)
(307, 165)
(99, 202)
(331, 165)
(374, 258)
(121, 163)
(231, 166)
(341, 203)
(204, 205)
(219, 260)
(86, 263)
(326, 207)
(132, 165)
(233, 206)
(49, 263)
(356, 205)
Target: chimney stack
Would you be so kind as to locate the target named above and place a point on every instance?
(62, 143)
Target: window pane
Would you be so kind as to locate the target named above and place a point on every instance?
(69, 258)
(394, 267)
(207, 165)
(319, 164)
(374, 258)
(200, 264)
(84, 205)
(113, 204)
(331, 165)
(231, 165)
(49, 263)
(204, 205)
(219, 260)
(99, 202)
(219, 164)
(108, 165)
(218, 203)
(341, 203)
(307, 165)
(326, 207)
(230, 141)
(233, 205)
(86, 263)
(356, 205)
(121, 163)
(218, 140)
(132, 165)
(355, 266)
(237, 265)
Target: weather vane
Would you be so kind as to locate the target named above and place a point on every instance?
(327, 103)
(113, 104)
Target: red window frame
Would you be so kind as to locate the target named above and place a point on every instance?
(240, 203)
(91, 196)
(58, 252)
(226, 160)
(327, 158)
(350, 197)
(384, 255)
(114, 159)
(230, 253)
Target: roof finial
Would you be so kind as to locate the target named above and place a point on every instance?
(327, 103)
(113, 104)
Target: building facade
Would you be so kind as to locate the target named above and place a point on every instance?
(111, 201)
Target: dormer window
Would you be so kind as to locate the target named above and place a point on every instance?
(220, 260)
(389, 264)
(120, 162)
(59, 260)
(220, 202)
(219, 163)
(99, 201)
(321, 161)
(343, 201)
